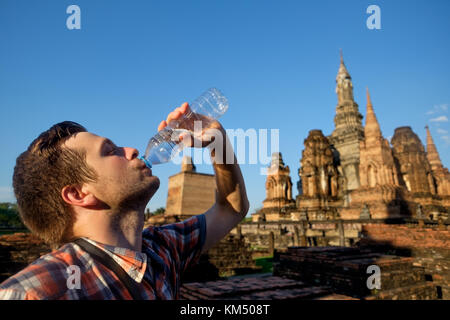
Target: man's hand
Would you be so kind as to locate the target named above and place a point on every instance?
(202, 129)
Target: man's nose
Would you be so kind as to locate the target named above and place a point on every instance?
(131, 153)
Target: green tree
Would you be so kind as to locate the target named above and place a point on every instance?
(159, 211)
(246, 219)
(9, 215)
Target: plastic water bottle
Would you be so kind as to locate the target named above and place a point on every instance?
(163, 146)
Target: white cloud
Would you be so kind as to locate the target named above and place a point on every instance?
(7, 194)
(438, 109)
(439, 119)
(441, 131)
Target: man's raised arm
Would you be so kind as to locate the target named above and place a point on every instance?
(231, 198)
(231, 204)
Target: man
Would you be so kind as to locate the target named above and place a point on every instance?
(81, 192)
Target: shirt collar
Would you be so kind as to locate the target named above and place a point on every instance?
(133, 262)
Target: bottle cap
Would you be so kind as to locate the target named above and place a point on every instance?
(147, 163)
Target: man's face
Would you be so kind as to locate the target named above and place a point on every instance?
(123, 180)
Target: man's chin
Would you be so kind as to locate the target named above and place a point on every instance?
(153, 187)
(140, 194)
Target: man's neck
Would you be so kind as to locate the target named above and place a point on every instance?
(119, 229)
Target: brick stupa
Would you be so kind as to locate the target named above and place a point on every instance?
(278, 203)
(319, 177)
(441, 175)
(348, 130)
(380, 192)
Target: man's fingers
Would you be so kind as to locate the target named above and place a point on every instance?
(162, 125)
(184, 108)
(174, 115)
(169, 117)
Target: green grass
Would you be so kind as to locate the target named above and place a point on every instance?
(265, 263)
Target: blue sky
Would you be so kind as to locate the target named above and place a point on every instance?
(276, 61)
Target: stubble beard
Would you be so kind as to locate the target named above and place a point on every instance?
(132, 197)
(136, 198)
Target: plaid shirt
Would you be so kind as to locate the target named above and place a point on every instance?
(167, 252)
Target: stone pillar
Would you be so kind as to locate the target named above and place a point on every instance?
(334, 189)
(441, 225)
(341, 233)
(296, 237)
(303, 239)
(271, 243)
(239, 232)
(431, 183)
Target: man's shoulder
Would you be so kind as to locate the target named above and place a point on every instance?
(183, 236)
(168, 233)
(191, 222)
(44, 278)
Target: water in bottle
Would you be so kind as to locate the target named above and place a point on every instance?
(163, 146)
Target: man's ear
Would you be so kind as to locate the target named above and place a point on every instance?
(77, 196)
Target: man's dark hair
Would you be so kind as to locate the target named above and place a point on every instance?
(39, 176)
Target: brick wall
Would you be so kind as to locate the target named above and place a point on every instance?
(411, 236)
(17, 251)
(430, 246)
(287, 234)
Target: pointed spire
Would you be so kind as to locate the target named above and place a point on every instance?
(369, 102)
(277, 164)
(432, 154)
(372, 128)
(277, 159)
(344, 86)
(343, 72)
